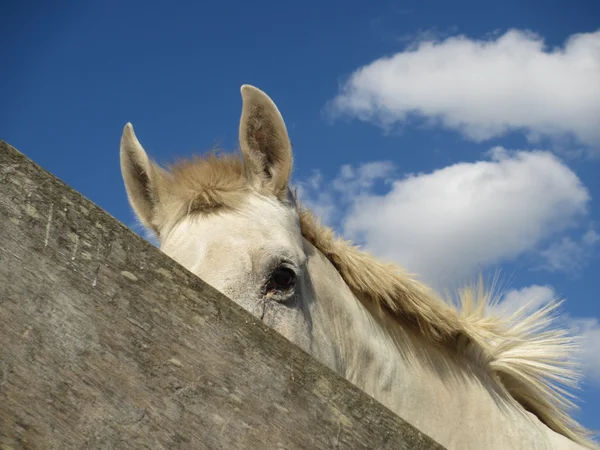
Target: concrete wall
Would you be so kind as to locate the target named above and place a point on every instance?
(107, 343)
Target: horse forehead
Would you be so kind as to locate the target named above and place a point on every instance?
(260, 224)
(260, 219)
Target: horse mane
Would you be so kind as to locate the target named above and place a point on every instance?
(526, 353)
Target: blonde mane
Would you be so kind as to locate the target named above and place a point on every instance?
(526, 353)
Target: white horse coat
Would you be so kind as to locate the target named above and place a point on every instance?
(467, 380)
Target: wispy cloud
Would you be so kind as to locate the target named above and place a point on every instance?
(329, 199)
(589, 328)
(484, 88)
(569, 255)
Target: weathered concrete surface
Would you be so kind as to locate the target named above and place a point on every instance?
(107, 343)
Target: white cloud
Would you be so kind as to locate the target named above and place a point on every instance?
(452, 223)
(485, 88)
(587, 328)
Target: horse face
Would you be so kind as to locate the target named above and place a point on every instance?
(234, 224)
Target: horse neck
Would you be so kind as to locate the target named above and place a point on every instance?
(435, 389)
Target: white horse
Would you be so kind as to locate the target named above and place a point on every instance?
(468, 380)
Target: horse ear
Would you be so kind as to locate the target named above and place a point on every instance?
(140, 177)
(264, 141)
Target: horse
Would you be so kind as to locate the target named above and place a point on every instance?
(468, 378)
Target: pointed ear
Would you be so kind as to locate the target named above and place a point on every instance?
(264, 141)
(140, 177)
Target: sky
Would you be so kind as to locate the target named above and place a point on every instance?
(454, 138)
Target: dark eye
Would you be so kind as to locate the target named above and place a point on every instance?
(282, 279)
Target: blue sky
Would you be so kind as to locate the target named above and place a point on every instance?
(498, 129)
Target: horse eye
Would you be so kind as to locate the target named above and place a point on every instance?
(282, 279)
